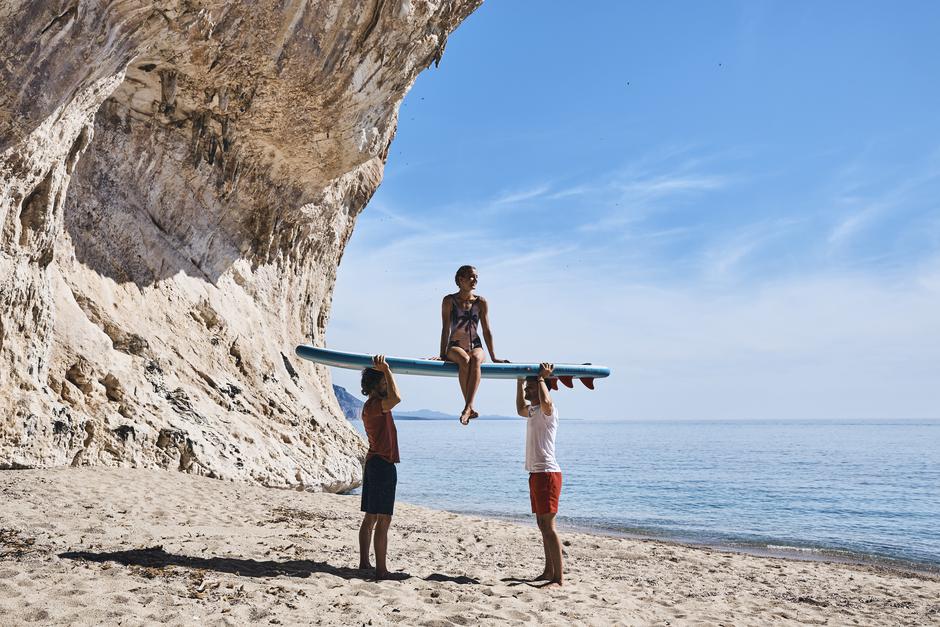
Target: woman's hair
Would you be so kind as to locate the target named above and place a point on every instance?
(463, 271)
(370, 379)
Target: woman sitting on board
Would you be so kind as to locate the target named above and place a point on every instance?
(461, 313)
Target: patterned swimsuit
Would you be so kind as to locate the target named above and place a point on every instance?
(463, 325)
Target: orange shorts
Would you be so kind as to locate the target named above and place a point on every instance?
(544, 490)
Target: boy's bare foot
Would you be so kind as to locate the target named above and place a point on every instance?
(545, 576)
(466, 415)
(551, 584)
(365, 566)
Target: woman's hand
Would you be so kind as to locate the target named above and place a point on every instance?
(378, 362)
(499, 361)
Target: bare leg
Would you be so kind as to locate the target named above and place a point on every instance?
(365, 539)
(473, 380)
(547, 572)
(552, 549)
(382, 523)
(460, 357)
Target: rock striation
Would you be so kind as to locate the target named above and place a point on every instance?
(178, 180)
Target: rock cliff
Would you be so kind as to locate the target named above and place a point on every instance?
(178, 180)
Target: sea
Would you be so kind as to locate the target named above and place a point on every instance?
(857, 491)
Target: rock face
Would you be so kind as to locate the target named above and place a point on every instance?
(177, 182)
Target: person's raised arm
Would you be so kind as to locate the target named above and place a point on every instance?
(545, 399)
(520, 399)
(445, 326)
(392, 396)
(487, 334)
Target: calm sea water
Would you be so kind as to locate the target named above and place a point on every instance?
(837, 490)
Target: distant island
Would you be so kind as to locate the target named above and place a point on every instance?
(352, 409)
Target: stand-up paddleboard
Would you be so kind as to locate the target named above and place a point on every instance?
(565, 373)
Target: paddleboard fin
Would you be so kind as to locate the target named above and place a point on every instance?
(567, 381)
(588, 382)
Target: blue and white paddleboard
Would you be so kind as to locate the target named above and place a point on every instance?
(431, 368)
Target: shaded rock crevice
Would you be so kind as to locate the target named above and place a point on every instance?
(177, 183)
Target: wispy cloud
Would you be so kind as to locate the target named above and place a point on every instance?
(520, 196)
(667, 185)
(723, 258)
(863, 209)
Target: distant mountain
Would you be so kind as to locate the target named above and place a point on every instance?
(430, 414)
(351, 406)
(352, 409)
(427, 414)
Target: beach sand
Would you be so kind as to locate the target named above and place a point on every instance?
(92, 546)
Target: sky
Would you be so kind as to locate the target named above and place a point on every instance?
(733, 205)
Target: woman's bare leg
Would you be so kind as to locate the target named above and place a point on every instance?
(460, 357)
(473, 379)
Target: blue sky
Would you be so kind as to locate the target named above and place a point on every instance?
(735, 205)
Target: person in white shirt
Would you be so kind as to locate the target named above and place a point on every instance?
(534, 403)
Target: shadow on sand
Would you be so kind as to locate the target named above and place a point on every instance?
(156, 557)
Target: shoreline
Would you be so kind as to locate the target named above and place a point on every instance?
(826, 555)
(110, 545)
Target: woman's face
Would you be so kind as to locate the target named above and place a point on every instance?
(469, 280)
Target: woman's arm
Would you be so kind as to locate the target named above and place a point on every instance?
(487, 334)
(445, 326)
(520, 399)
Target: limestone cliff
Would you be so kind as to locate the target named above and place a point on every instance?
(178, 179)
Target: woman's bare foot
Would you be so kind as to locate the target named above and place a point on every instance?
(365, 566)
(466, 415)
(474, 414)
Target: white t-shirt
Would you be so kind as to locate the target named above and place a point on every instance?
(540, 440)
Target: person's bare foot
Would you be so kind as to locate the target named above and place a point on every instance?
(551, 584)
(544, 577)
(466, 415)
(365, 566)
(474, 414)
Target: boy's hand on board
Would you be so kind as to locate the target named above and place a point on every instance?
(546, 369)
(378, 362)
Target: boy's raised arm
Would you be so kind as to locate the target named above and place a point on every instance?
(545, 399)
(520, 399)
(393, 397)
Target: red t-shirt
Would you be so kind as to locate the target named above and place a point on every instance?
(380, 429)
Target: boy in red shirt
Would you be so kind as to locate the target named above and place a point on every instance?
(380, 476)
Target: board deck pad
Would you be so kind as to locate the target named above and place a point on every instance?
(565, 373)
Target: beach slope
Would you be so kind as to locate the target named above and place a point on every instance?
(109, 545)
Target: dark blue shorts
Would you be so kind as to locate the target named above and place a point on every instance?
(378, 486)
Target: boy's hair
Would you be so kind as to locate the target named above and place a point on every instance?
(462, 271)
(370, 379)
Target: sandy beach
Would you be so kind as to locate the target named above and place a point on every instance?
(135, 547)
